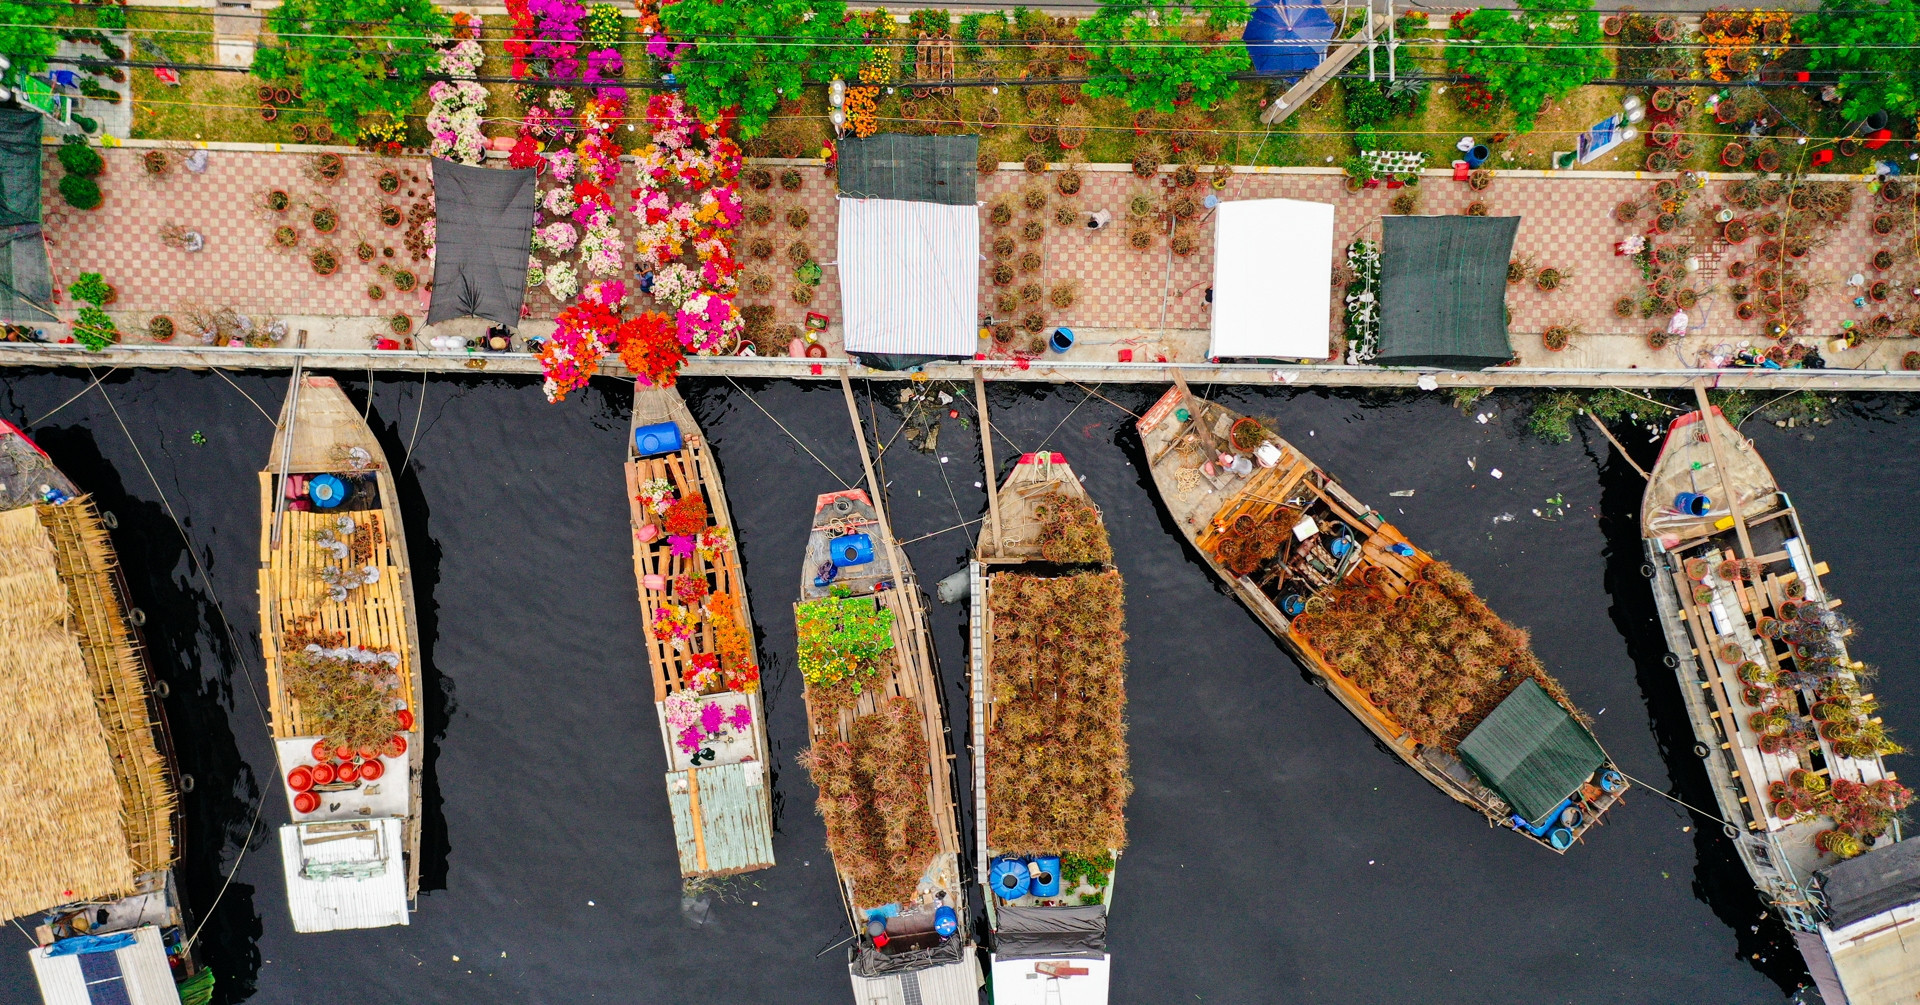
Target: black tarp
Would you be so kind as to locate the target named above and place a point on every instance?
(1443, 291)
(1866, 885)
(938, 169)
(482, 231)
(869, 962)
(26, 285)
(1039, 933)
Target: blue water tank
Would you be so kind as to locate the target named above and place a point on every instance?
(1048, 885)
(1009, 878)
(326, 491)
(1611, 781)
(1692, 503)
(945, 921)
(851, 549)
(659, 438)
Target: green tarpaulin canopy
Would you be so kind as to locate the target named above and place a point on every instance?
(1532, 752)
(938, 169)
(26, 286)
(1443, 291)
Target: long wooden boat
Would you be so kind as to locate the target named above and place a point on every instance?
(1781, 711)
(1399, 638)
(343, 665)
(1046, 657)
(89, 780)
(879, 756)
(700, 643)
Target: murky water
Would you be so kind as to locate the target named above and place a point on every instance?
(1276, 854)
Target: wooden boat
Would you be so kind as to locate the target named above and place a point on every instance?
(1779, 707)
(343, 665)
(873, 697)
(1346, 593)
(1043, 566)
(700, 643)
(91, 811)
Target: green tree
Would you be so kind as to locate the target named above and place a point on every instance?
(1872, 48)
(25, 38)
(1530, 55)
(354, 57)
(1155, 53)
(750, 55)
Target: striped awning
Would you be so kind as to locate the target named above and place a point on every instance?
(909, 277)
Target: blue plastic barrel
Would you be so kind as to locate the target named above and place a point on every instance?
(945, 921)
(1292, 605)
(1478, 155)
(1611, 781)
(1561, 839)
(326, 491)
(1692, 503)
(1048, 885)
(851, 549)
(1062, 340)
(1341, 546)
(659, 438)
(1009, 878)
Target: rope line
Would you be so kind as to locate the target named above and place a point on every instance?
(69, 401)
(271, 421)
(783, 428)
(1668, 795)
(418, 414)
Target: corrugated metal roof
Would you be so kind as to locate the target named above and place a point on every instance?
(144, 974)
(720, 818)
(1532, 752)
(341, 879)
(952, 984)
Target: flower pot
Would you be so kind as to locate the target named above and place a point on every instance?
(1612, 25)
(1733, 155)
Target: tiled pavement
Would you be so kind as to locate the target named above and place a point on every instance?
(1566, 223)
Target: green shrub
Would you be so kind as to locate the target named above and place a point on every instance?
(94, 329)
(81, 159)
(110, 16)
(80, 192)
(90, 287)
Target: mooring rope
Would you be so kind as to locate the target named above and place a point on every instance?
(783, 428)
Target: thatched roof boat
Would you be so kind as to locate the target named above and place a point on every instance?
(880, 758)
(1399, 638)
(343, 665)
(88, 778)
(699, 642)
(1782, 712)
(1048, 647)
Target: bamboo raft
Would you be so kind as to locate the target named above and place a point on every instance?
(360, 830)
(1186, 437)
(1052, 943)
(722, 809)
(96, 856)
(1725, 628)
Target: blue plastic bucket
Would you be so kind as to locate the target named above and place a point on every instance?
(1692, 503)
(326, 491)
(1561, 839)
(1048, 885)
(1062, 340)
(851, 549)
(1611, 781)
(945, 921)
(659, 438)
(1292, 605)
(1341, 546)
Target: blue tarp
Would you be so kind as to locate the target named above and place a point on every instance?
(1288, 37)
(83, 944)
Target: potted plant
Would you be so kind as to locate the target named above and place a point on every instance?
(278, 200)
(388, 181)
(759, 179)
(375, 291)
(1767, 161)
(1883, 224)
(1479, 178)
(400, 324)
(1549, 279)
(160, 328)
(1733, 154)
(1359, 174)
(325, 220)
(1746, 310)
(155, 162)
(364, 252)
(1559, 337)
(390, 216)
(1877, 291)
(1659, 161)
(1883, 259)
(404, 281)
(285, 236)
(1183, 242)
(1247, 434)
(790, 180)
(324, 261)
(1069, 182)
(1664, 98)
(328, 168)
(1659, 339)
(1734, 231)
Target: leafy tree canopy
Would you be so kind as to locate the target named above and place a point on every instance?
(1538, 52)
(1872, 48)
(25, 38)
(355, 57)
(1157, 54)
(750, 55)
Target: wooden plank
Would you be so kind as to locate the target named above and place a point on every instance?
(986, 451)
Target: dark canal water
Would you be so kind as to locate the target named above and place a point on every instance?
(1276, 854)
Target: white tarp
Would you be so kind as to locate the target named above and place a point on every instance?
(387, 796)
(1067, 981)
(1272, 259)
(140, 970)
(344, 874)
(910, 277)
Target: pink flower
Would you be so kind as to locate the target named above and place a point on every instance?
(711, 718)
(681, 544)
(741, 717)
(690, 739)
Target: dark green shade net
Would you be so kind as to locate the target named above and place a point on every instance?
(1532, 752)
(26, 286)
(1443, 291)
(938, 169)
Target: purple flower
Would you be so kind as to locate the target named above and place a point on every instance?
(602, 64)
(710, 719)
(682, 545)
(690, 739)
(741, 717)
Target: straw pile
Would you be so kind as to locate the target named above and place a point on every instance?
(60, 806)
(117, 668)
(1057, 749)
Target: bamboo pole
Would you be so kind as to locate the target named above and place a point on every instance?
(1608, 433)
(986, 449)
(286, 453)
(1726, 477)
